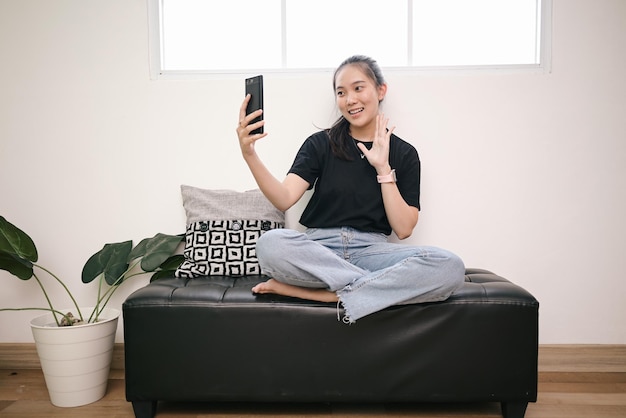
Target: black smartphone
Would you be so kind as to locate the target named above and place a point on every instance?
(254, 87)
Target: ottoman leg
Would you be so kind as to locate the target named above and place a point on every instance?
(514, 409)
(144, 409)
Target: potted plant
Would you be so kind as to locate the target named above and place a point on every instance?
(64, 338)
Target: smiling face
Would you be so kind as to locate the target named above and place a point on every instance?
(358, 98)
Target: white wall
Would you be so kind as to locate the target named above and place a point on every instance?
(523, 174)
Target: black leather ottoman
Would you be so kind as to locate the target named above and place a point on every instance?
(211, 339)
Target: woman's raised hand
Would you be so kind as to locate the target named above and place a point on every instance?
(246, 140)
(378, 156)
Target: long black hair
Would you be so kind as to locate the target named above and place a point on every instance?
(339, 132)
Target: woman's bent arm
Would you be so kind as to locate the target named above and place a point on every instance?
(282, 195)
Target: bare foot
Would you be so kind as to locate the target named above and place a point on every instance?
(283, 289)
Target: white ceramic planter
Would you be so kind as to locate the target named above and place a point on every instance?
(76, 360)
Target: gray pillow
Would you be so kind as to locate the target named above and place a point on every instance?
(222, 229)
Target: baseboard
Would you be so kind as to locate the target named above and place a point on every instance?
(24, 356)
(552, 358)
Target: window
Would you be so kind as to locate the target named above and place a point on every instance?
(244, 36)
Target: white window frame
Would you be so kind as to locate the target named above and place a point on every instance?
(158, 73)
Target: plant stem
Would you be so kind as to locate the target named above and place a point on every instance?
(54, 312)
(109, 293)
(93, 317)
(80, 314)
(103, 299)
(47, 299)
(96, 309)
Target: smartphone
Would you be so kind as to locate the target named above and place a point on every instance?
(254, 87)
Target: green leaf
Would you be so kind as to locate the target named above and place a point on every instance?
(15, 241)
(162, 274)
(173, 262)
(168, 268)
(22, 269)
(139, 250)
(158, 249)
(111, 261)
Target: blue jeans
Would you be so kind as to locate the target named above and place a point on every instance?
(367, 272)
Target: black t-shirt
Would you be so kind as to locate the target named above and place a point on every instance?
(347, 192)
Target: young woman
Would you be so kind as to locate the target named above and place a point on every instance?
(366, 184)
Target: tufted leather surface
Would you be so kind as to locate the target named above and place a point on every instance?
(211, 339)
(481, 286)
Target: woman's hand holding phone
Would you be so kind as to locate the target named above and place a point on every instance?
(245, 128)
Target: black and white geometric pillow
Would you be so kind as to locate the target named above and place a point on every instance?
(223, 227)
(223, 247)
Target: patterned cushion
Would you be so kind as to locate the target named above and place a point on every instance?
(222, 229)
